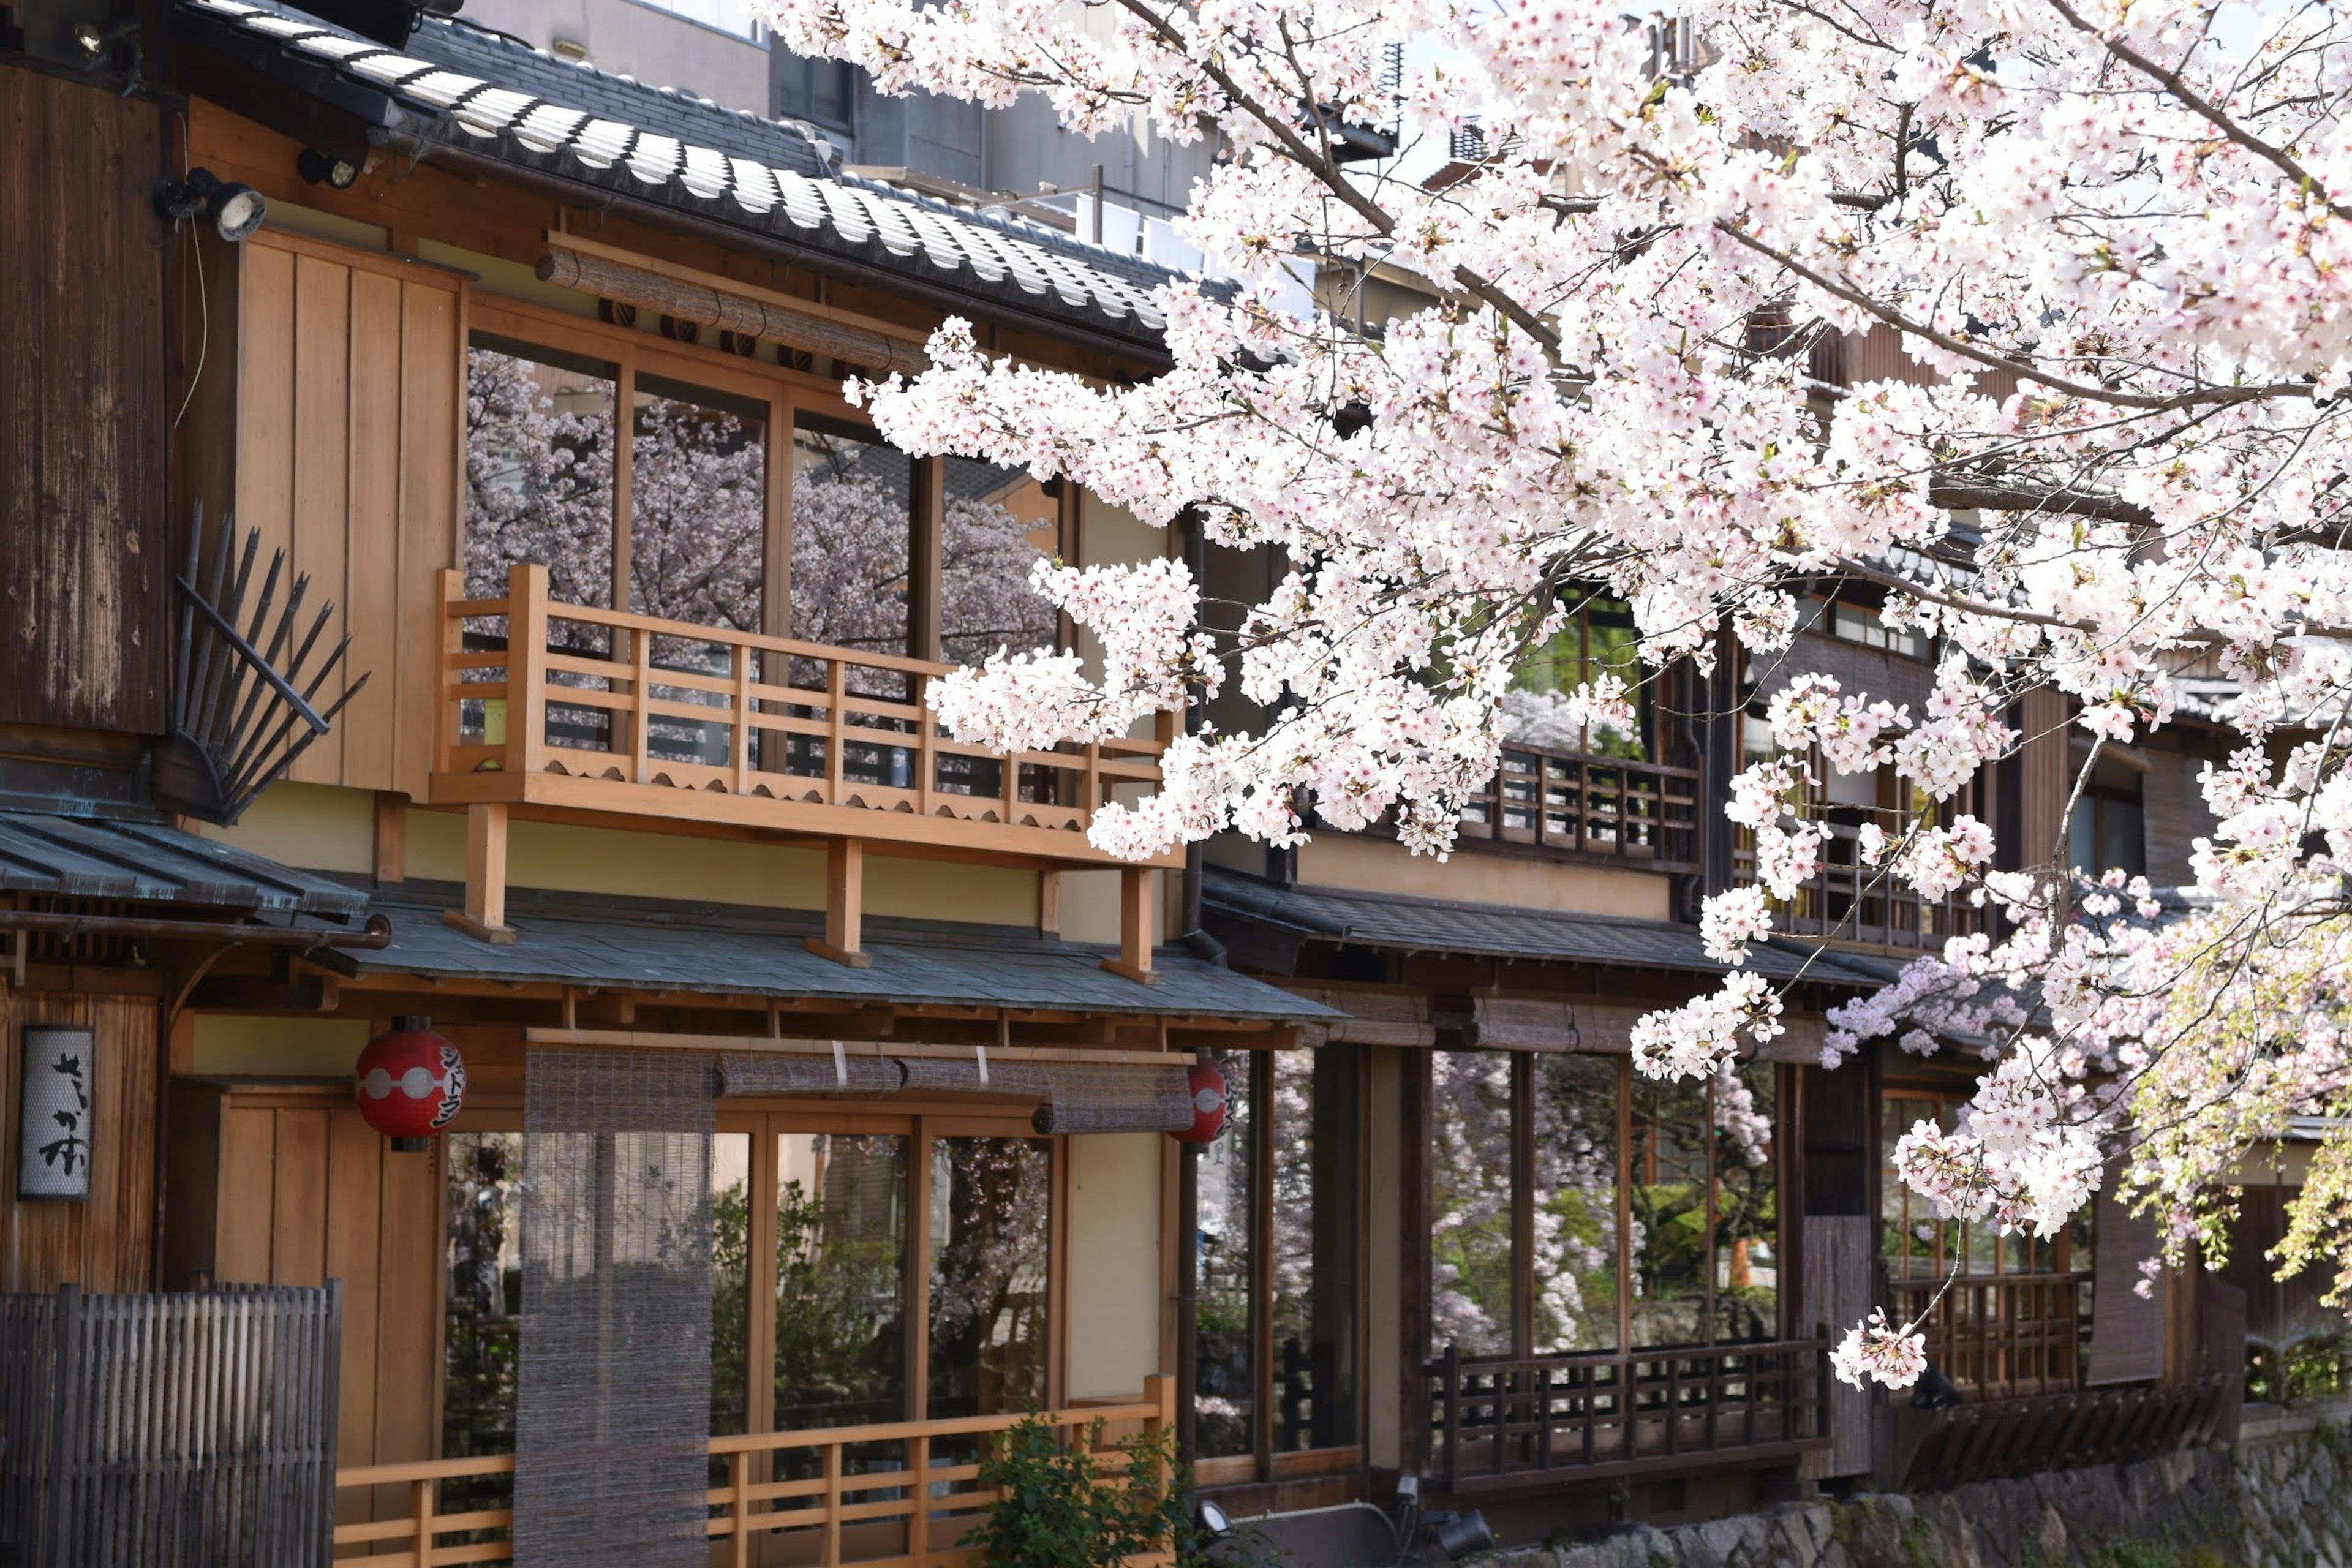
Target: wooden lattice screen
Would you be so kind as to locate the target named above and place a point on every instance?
(194, 1429)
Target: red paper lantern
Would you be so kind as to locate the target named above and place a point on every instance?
(410, 1080)
(1208, 1087)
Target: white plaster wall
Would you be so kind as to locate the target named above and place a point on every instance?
(1114, 1301)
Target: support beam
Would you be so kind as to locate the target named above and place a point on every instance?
(1138, 893)
(1049, 902)
(844, 905)
(391, 837)
(485, 915)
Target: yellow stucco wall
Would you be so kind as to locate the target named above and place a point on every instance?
(228, 1045)
(327, 828)
(1339, 860)
(1115, 1302)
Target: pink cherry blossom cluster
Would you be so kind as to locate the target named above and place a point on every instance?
(2089, 268)
(1880, 1350)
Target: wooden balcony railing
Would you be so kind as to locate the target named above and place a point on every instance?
(1849, 901)
(904, 1493)
(1643, 814)
(1505, 1423)
(2001, 1336)
(604, 711)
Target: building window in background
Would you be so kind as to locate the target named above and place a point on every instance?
(1279, 1267)
(2108, 831)
(1528, 1253)
(1598, 641)
(820, 90)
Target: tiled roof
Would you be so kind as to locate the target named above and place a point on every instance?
(724, 950)
(78, 857)
(461, 86)
(1401, 923)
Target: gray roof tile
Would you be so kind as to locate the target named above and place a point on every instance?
(81, 858)
(454, 82)
(570, 939)
(1402, 924)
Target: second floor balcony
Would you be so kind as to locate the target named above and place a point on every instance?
(577, 707)
(1847, 900)
(1639, 815)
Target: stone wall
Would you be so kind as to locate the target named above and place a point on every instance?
(2285, 1503)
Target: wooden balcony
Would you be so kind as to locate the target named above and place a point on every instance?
(1502, 1424)
(1641, 814)
(894, 1495)
(1848, 901)
(2001, 1336)
(571, 709)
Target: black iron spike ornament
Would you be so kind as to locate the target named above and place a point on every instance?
(241, 715)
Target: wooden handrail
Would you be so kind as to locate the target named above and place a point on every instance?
(2003, 1335)
(1591, 806)
(1814, 911)
(935, 1506)
(1505, 1421)
(754, 727)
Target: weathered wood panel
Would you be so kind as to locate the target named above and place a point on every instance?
(1836, 1277)
(85, 541)
(188, 1429)
(305, 1190)
(2127, 1329)
(105, 1241)
(346, 438)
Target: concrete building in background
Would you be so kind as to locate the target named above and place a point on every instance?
(711, 47)
(718, 50)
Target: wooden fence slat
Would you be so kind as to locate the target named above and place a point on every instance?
(193, 1429)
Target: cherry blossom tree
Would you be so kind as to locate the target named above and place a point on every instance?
(2110, 244)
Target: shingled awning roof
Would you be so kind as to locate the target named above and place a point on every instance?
(478, 93)
(1401, 923)
(148, 863)
(645, 944)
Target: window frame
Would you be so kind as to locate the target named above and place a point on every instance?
(764, 1121)
(1523, 1165)
(788, 393)
(1264, 1462)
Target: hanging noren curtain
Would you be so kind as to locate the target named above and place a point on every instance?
(612, 1419)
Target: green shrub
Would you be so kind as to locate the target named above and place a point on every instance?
(1056, 1511)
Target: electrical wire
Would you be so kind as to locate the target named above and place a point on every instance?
(204, 306)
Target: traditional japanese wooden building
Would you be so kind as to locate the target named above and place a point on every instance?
(815, 1065)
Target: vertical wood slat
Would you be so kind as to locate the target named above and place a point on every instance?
(192, 1429)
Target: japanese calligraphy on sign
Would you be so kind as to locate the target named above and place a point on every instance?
(57, 1109)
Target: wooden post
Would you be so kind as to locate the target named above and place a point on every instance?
(448, 691)
(925, 557)
(421, 1503)
(525, 682)
(640, 688)
(918, 1521)
(391, 836)
(831, 1555)
(1136, 896)
(1049, 901)
(741, 750)
(836, 685)
(485, 915)
(740, 1505)
(844, 905)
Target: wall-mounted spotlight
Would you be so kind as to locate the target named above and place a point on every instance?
(96, 40)
(318, 168)
(234, 210)
(1459, 1535)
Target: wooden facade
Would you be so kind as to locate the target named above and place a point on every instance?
(325, 368)
(86, 543)
(107, 1241)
